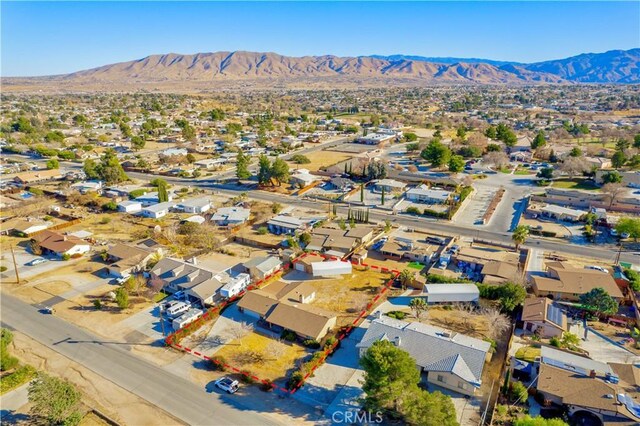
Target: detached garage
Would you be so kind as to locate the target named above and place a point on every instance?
(451, 293)
(330, 268)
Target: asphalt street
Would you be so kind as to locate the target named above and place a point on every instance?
(176, 395)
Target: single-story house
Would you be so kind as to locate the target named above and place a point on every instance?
(194, 205)
(129, 206)
(389, 186)
(450, 360)
(451, 293)
(342, 184)
(559, 212)
(199, 284)
(302, 177)
(288, 225)
(128, 259)
(423, 194)
(542, 314)
(156, 211)
(601, 397)
(24, 226)
(263, 266)
(375, 139)
(28, 178)
(362, 234)
(233, 216)
(88, 186)
(151, 198)
(498, 272)
(565, 282)
(52, 242)
(210, 163)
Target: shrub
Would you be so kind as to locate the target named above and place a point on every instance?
(105, 220)
(246, 377)
(311, 343)
(555, 342)
(110, 206)
(330, 342)
(36, 191)
(295, 380)
(288, 335)
(518, 392)
(3, 268)
(137, 193)
(18, 377)
(549, 234)
(399, 315)
(66, 256)
(218, 362)
(412, 210)
(263, 230)
(97, 304)
(266, 386)
(7, 361)
(441, 279)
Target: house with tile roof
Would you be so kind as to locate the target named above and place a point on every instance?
(450, 360)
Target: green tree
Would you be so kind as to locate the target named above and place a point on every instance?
(520, 235)
(539, 141)
(122, 298)
(137, 142)
(611, 177)
(569, 340)
(54, 136)
(418, 306)
(618, 159)
(54, 400)
(90, 169)
(301, 159)
(410, 137)
(53, 164)
(461, 132)
(242, 166)
(280, 171)
(163, 193)
(491, 132)
(636, 141)
(391, 383)
(518, 393)
(436, 153)
(305, 238)
(456, 164)
(264, 170)
(575, 152)
(506, 135)
(600, 301)
(406, 277)
(629, 225)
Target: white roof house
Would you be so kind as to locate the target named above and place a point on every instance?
(152, 198)
(129, 206)
(451, 293)
(561, 213)
(157, 211)
(302, 177)
(230, 216)
(424, 194)
(389, 185)
(195, 205)
(571, 362)
(330, 268)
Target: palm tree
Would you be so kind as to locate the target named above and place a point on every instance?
(520, 235)
(406, 277)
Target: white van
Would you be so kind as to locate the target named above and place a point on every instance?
(178, 309)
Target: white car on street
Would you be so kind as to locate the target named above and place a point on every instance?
(226, 384)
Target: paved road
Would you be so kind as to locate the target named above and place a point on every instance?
(176, 395)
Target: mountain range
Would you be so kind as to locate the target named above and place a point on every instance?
(615, 66)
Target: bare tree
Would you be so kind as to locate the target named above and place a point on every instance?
(465, 312)
(497, 323)
(240, 330)
(612, 191)
(276, 349)
(496, 158)
(574, 165)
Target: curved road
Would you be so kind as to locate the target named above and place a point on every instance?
(177, 396)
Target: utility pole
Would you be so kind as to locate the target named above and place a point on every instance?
(619, 253)
(162, 324)
(15, 265)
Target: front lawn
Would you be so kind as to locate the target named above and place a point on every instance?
(574, 184)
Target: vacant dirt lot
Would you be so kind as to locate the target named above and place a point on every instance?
(263, 356)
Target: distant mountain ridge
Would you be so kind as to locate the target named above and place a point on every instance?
(616, 66)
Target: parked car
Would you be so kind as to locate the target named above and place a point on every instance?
(37, 261)
(226, 384)
(178, 295)
(597, 268)
(48, 310)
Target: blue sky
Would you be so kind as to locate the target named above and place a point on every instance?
(58, 37)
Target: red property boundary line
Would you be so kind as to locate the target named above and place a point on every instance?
(170, 339)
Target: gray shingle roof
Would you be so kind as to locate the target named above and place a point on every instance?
(434, 349)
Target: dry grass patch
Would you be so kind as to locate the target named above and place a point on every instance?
(321, 159)
(38, 293)
(459, 320)
(263, 356)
